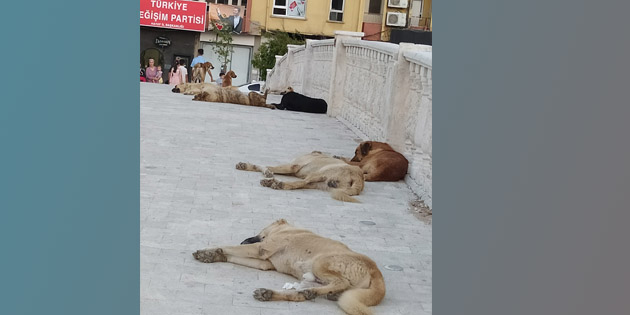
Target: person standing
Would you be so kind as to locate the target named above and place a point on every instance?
(174, 75)
(183, 70)
(235, 21)
(198, 59)
(152, 72)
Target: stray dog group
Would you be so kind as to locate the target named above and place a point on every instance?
(350, 278)
(326, 267)
(209, 92)
(317, 171)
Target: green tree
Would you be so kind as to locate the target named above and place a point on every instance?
(223, 46)
(276, 44)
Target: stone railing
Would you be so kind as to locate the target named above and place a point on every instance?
(380, 90)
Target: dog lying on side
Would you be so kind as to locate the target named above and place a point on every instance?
(294, 101)
(227, 95)
(317, 171)
(227, 79)
(195, 88)
(350, 278)
(379, 162)
(200, 70)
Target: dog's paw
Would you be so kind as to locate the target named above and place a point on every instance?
(308, 294)
(267, 173)
(277, 185)
(210, 255)
(263, 294)
(241, 166)
(266, 182)
(333, 296)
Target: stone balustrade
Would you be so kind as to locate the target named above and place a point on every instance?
(380, 90)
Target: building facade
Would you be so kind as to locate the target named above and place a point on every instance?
(308, 17)
(382, 16)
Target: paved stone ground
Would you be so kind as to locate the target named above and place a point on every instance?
(192, 197)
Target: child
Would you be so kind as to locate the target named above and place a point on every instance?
(220, 79)
(159, 74)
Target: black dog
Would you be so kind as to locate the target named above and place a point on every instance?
(302, 103)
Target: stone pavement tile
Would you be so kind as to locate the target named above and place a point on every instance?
(192, 197)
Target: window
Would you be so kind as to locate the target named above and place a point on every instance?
(336, 10)
(375, 6)
(292, 8)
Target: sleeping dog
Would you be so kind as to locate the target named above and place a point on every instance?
(301, 103)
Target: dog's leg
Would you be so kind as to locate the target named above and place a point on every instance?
(285, 169)
(251, 262)
(254, 168)
(341, 158)
(276, 184)
(273, 295)
(210, 255)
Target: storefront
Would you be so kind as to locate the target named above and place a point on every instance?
(170, 29)
(164, 45)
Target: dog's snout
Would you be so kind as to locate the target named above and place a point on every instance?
(175, 90)
(251, 240)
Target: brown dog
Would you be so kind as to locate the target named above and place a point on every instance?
(379, 162)
(317, 171)
(227, 95)
(227, 79)
(200, 70)
(333, 270)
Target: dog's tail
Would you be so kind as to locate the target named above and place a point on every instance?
(356, 301)
(355, 189)
(342, 195)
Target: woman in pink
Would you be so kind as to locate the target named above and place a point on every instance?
(174, 75)
(152, 72)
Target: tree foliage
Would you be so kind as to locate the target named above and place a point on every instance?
(223, 46)
(276, 44)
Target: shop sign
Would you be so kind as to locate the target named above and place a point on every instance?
(162, 41)
(174, 14)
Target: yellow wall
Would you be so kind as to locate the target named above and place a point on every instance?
(316, 21)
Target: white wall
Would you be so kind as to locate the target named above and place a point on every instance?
(381, 90)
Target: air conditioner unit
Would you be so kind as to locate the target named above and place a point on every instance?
(396, 19)
(398, 3)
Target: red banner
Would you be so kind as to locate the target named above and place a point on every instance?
(174, 14)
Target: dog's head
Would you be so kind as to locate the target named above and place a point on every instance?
(230, 74)
(208, 65)
(287, 90)
(178, 88)
(361, 151)
(269, 230)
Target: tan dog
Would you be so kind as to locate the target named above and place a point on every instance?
(200, 70)
(227, 79)
(352, 279)
(317, 171)
(379, 162)
(226, 95)
(195, 88)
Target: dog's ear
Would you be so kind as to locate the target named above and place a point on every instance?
(365, 147)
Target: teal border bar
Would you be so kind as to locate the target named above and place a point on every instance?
(70, 183)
